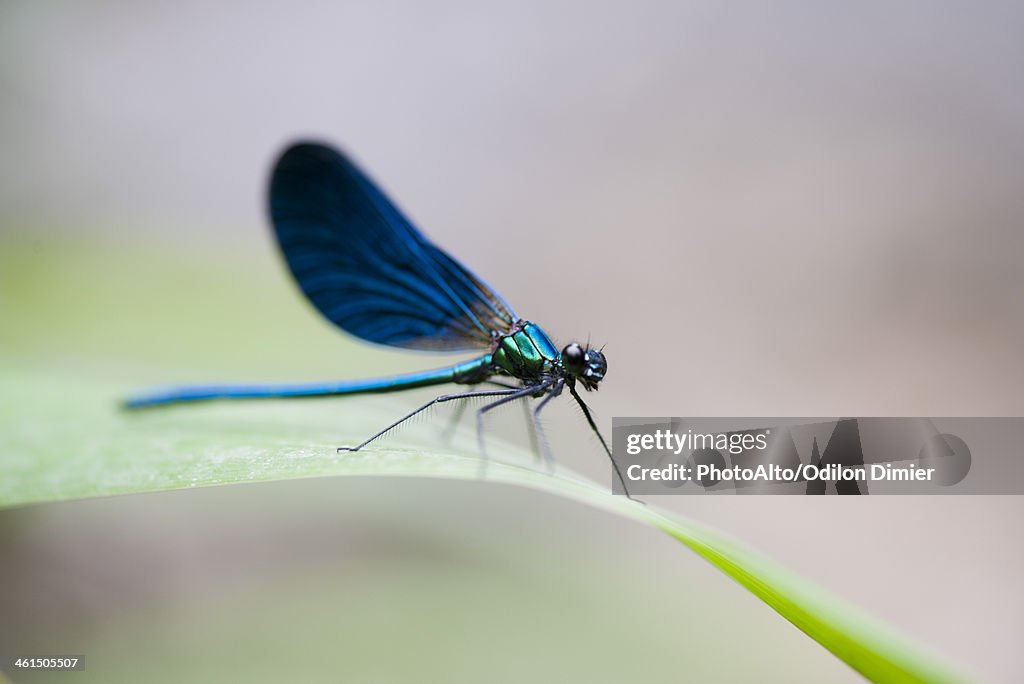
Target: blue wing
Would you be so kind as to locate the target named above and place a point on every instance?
(366, 267)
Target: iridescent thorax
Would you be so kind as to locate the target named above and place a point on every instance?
(526, 352)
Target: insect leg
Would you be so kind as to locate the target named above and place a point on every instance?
(532, 429)
(542, 441)
(460, 409)
(437, 400)
(515, 394)
(593, 426)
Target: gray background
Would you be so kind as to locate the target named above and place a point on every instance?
(766, 208)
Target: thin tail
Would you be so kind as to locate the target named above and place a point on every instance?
(159, 396)
(162, 396)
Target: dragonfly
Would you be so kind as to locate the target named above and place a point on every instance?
(367, 269)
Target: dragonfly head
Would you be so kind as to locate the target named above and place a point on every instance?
(584, 364)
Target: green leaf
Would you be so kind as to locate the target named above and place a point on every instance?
(66, 439)
(78, 314)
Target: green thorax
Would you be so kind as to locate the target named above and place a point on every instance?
(525, 353)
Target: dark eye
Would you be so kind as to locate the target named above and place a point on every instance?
(573, 353)
(573, 358)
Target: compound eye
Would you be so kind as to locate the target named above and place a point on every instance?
(573, 358)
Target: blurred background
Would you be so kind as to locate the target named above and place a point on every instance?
(762, 208)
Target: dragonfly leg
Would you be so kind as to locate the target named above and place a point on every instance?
(530, 423)
(460, 410)
(593, 426)
(542, 441)
(532, 429)
(499, 383)
(437, 400)
(512, 396)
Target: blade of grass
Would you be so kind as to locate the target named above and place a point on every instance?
(66, 440)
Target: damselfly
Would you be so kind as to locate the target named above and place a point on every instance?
(368, 270)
